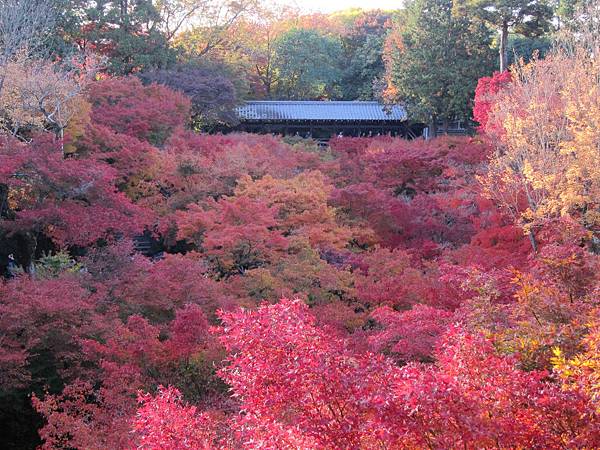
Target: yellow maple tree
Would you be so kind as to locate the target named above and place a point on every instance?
(583, 370)
(545, 127)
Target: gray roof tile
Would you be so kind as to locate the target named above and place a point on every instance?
(320, 110)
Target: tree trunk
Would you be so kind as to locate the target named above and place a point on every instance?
(3, 200)
(31, 244)
(503, 47)
(595, 247)
(61, 136)
(433, 127)
(533, 241)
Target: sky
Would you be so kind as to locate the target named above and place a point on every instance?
(336, 5)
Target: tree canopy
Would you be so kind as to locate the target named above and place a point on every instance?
(163, 287)
(308, 64)
(434, 61)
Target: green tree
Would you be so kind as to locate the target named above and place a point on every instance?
(308, 64)
(566, 11)
(434, 60)
(526, 17)
(128, 33)
(521, 47)
(363, 55)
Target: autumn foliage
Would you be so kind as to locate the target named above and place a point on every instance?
(380, 293)
(487, 88)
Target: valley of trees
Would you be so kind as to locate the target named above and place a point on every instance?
(163, 287)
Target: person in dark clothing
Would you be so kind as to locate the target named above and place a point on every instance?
(11, 269)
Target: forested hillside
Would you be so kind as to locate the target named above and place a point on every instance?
(164, 288)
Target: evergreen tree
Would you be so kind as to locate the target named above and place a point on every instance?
(527, 17)
(434, 61)
(128, 33)
(307, 62)
(363, 55)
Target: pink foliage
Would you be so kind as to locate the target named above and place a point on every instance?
(289, 375)
(475, 398)
(296, 380)
(417, 194)
(131, 157)
(487, 87)
(158, 289)
(72, 200)
(150, 113)
(389, 277)
(43, 317)
(238, 232)
(411, 335)
(131, 358)
(165, 422)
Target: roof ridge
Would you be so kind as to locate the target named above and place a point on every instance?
(320, 110)
(319, 102)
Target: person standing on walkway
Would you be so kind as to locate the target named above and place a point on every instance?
(11, 269)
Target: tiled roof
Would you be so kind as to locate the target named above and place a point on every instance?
(316, 110)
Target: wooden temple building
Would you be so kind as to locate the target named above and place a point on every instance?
(323, 120)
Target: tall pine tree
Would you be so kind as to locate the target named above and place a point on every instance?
(530, 18)
(434, 59)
